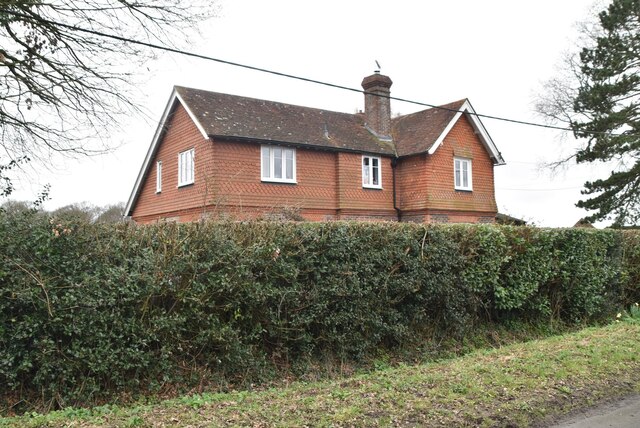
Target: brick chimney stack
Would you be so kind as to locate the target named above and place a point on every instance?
(377, 106)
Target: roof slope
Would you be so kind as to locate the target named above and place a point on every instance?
(224, 115)
(221, 115)
(418, 132)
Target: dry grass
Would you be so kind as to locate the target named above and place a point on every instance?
(517, 385)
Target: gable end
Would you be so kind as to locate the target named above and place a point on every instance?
(478, 127)
(174, 99)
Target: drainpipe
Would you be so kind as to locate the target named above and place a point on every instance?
(394, 163)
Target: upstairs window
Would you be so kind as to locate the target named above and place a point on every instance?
(371, 176)
(278, 164)
(158, 176)
(186, 167)
(462, 174)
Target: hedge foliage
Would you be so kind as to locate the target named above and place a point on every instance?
(90, 310)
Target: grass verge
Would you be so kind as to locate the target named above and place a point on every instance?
(517, 385)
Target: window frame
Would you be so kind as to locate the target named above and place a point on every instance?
(283, 164)
(190, 168)
(370, 175)
(159, 176)
(461, 186)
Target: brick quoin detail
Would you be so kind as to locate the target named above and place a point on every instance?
(329, 183)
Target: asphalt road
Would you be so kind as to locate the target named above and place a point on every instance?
(620, 414)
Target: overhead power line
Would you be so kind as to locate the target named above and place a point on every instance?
(278, 73)
(538, 190)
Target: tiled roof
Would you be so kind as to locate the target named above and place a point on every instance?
(225, 115)
(232, 116)
(417, 132)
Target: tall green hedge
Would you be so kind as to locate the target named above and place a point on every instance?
(90, 310)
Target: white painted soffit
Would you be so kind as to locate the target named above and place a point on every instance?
(481, 131)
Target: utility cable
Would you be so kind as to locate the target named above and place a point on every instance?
(282, 74)
(539, 190)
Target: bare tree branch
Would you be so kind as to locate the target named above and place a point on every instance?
(60, 88)
(597, 94)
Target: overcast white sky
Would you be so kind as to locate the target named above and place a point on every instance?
(497, 53)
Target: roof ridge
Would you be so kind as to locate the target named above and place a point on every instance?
(439, 107)
(264, 100)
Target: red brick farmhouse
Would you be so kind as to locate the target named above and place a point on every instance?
(218, 154)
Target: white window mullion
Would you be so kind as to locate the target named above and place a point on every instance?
(187, 160)
(375, 171)
(186, 167)
(158, 176)
(265, 162)
(465, 175)
(462, 174)
(192, 166)
(293, 173)
(285, 165)
(272, 163)
(371, 172)
(290, 167)
(183, 172)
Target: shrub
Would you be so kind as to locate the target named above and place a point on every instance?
(89, 310)
(630, 260)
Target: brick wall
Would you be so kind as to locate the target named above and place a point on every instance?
(228, 183)
(412, 182)
(351, 194)
(236, 180)
(329, 184)
(425, 183)
(181, 135)
(448, 216)
(462, 142)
